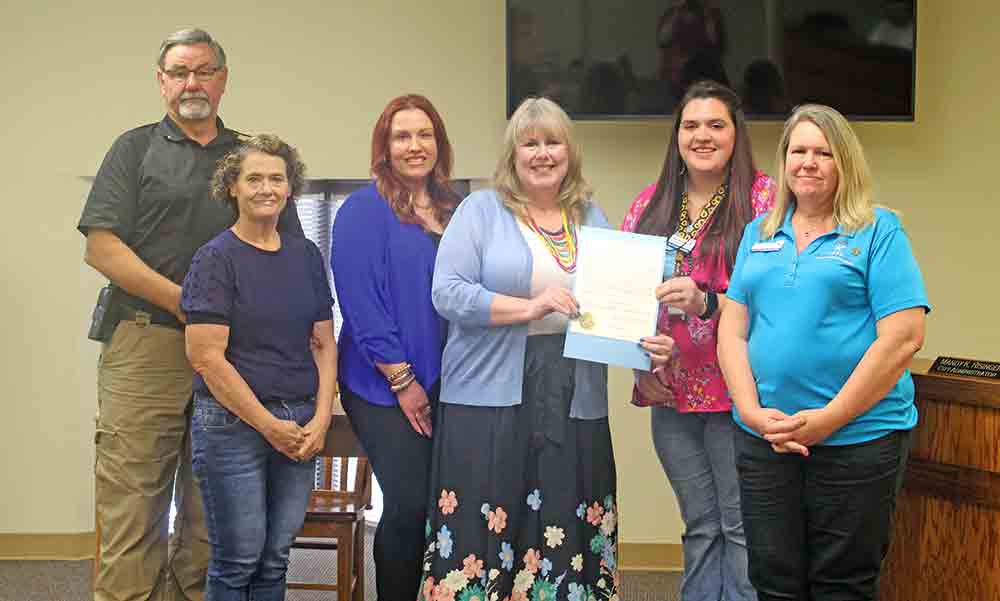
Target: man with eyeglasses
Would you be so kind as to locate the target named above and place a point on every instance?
(148, 211)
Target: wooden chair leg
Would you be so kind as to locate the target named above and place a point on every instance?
(345, 556)
(359, 559)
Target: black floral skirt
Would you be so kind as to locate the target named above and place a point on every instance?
(523, 498)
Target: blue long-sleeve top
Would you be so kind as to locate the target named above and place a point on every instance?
(483, 253)
(382, 271)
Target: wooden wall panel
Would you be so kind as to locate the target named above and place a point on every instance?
(946, 536)
(942, 551)
(958, 434)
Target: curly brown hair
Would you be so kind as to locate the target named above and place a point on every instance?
(227, 171)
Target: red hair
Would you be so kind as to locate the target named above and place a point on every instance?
(388, 182)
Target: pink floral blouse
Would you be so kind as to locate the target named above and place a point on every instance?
(693, 375)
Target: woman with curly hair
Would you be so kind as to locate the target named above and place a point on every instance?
(260, 338)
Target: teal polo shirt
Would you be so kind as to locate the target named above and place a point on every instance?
(813, 315)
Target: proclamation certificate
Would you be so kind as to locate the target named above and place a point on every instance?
(615, 284)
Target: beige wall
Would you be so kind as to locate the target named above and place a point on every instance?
(77, 74)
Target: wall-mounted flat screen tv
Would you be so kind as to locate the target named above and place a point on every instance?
(621, 59)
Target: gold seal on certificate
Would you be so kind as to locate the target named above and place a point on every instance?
(587, 321)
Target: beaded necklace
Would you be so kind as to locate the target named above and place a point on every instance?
(561, 244)
(688, 230)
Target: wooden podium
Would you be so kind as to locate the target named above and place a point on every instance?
(946, 539)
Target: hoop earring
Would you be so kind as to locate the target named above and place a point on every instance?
(684, 168)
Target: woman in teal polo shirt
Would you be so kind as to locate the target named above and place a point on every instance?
(825, 310)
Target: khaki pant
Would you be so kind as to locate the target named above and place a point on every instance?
(143, 451)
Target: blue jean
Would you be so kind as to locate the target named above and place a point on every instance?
(255, 499)
(818, 527)
(696, 450)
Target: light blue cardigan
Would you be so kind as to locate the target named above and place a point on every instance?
(482, 254)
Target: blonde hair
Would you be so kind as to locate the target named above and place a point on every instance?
(852, 202)
(546, 117)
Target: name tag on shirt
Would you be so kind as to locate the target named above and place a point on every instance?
(679, 243)
(767, 247)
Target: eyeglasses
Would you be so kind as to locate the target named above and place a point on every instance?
(202, 74)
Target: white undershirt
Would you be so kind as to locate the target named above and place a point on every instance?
(545, 273)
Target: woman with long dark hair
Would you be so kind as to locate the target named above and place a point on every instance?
(385, 241)
(707, 192)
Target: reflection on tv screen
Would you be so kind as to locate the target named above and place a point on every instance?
(607, 58)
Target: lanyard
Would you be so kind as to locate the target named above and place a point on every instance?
(682, 242)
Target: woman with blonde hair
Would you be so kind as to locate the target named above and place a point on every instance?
(523, 478)
(823, 314)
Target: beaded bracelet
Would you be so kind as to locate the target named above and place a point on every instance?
(396, 375)
(403, 384)
(401, 377)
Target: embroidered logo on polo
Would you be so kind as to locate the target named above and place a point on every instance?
(839, 250)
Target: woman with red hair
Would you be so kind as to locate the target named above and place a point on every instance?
(385, 241)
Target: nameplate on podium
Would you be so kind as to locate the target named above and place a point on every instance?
(966, 367)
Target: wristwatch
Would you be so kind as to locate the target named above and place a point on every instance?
(711, 304)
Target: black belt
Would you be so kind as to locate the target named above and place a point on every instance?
(145, 318)
(311, 398)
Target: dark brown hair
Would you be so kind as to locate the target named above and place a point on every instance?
(228, 170)
(661, 215)
(388, 182)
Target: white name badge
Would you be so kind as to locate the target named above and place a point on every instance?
(681, 244)
(767, 247)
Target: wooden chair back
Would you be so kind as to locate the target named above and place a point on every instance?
(344, 476)
(335, 517)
